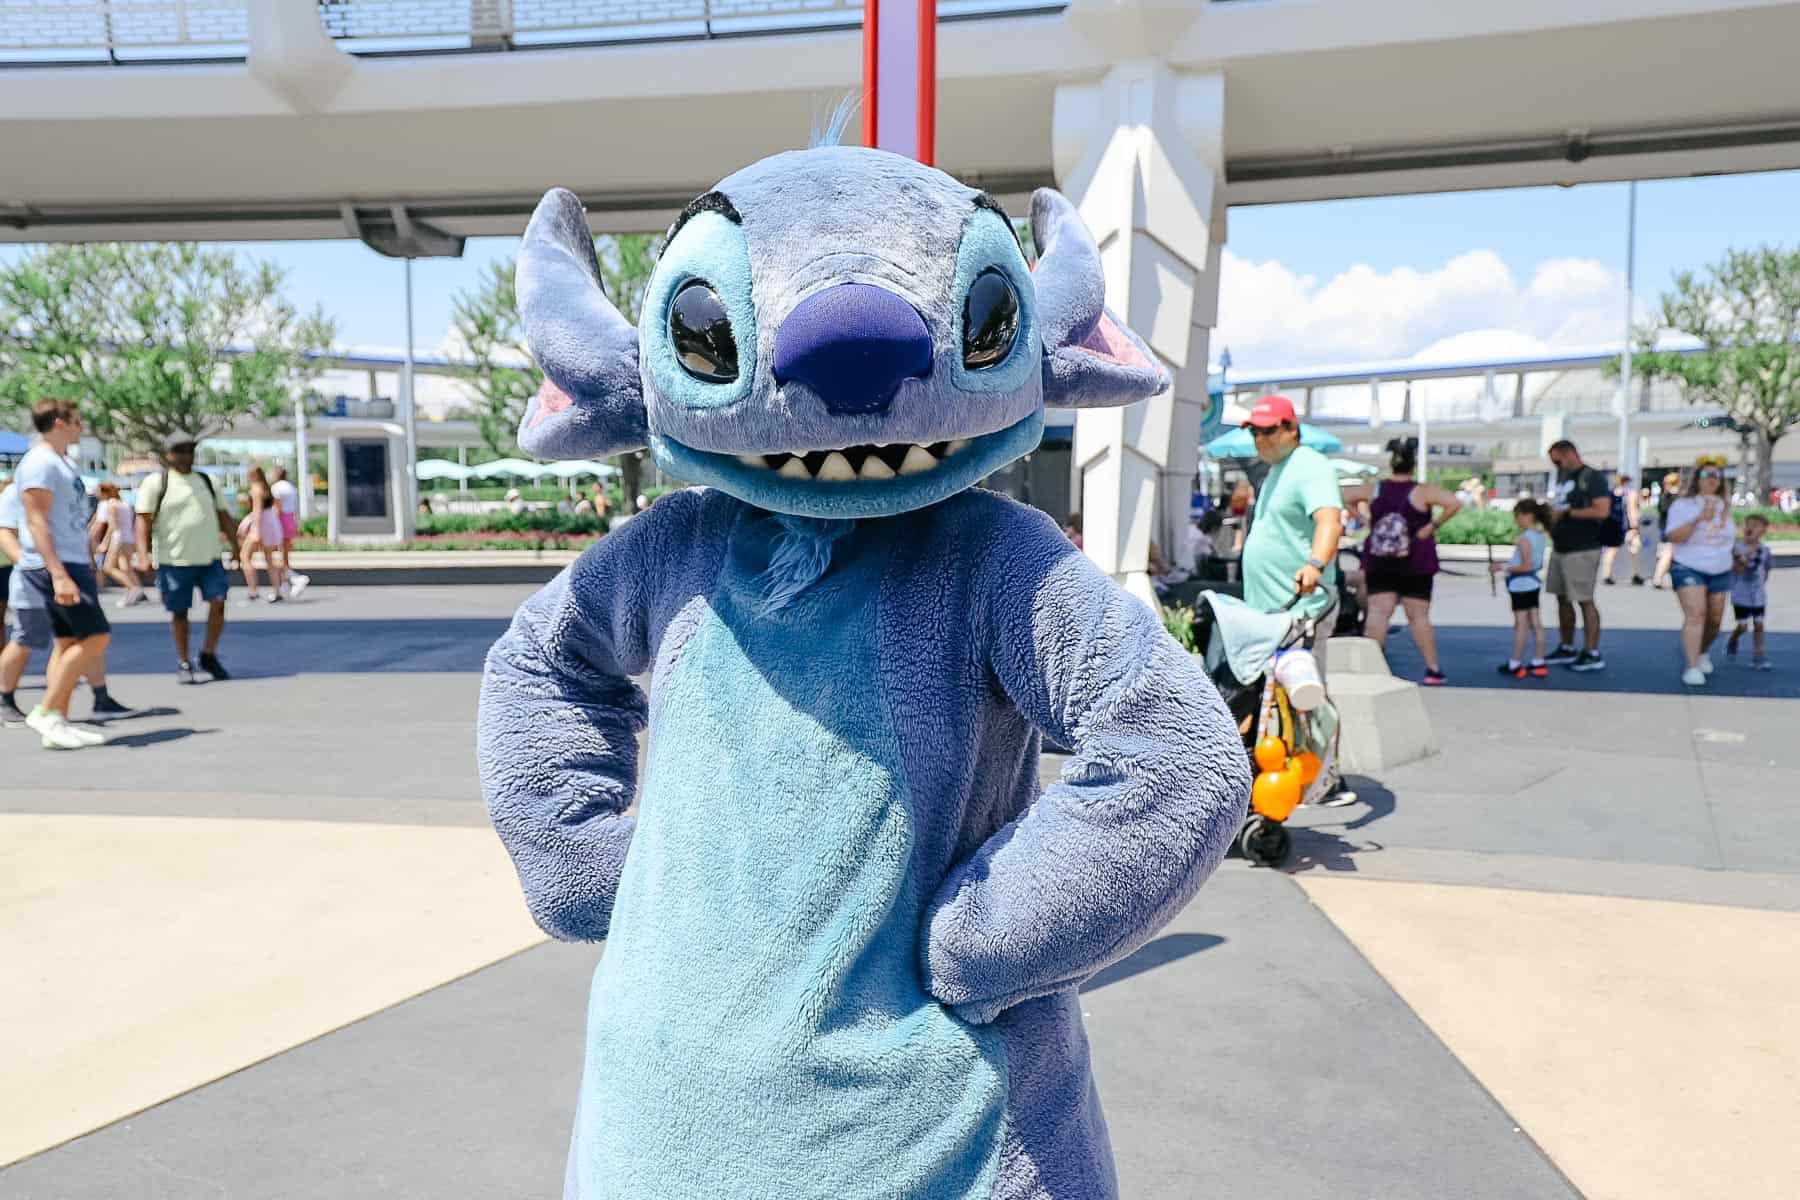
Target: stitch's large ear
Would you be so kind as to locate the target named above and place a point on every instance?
(592, 401)
(1091, 359)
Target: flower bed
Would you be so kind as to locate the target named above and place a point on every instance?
(501, 540)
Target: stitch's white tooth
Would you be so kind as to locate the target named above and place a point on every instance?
(918, 460)
(753, 460)
(836, 468)
(955, 447)
(793, 468)
(874, 468)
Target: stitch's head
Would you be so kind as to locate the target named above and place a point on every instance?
(835, 332)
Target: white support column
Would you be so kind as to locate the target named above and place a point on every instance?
(291, 54)
(302, 472)
(1141, 155)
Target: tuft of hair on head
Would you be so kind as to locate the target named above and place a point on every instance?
(801, 555)
(831, 132)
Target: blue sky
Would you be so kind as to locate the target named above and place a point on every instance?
(1304, 284)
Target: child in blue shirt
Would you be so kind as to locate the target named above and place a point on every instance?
(1524, 587)
(1751, 560)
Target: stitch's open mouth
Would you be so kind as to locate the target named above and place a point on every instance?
(868, 480)
(857, 462)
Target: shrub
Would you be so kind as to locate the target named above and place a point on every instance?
(1472, 527)
(1178, 619)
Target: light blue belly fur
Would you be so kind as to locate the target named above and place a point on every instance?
(757, 1027)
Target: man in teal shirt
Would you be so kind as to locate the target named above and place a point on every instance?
(1298, 519)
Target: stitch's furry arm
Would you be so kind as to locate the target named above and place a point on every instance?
(557, 732)
(1143, 811)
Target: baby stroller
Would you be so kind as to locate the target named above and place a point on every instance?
(1293, 752)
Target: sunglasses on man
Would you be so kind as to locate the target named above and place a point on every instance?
(1257, 431)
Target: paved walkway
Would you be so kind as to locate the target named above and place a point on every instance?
(272, 950)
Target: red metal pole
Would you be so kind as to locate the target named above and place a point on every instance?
(871, 89)
(927, 81)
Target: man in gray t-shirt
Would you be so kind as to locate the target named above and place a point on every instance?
(28, 625)
(57, 564)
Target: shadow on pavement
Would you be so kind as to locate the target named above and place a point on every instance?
(1153, 954)
(1637, 660)
(1323, 848)
(273, 649)
(137, 741)
(136, 714)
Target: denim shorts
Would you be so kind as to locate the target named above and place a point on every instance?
(1686, 577)
(176, 585)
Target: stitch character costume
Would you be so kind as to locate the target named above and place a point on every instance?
(844, 930)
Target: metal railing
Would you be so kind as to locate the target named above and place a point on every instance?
(1520, 389)
(449, 26)
(121, 31)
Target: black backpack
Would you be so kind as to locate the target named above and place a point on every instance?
(1612, 532)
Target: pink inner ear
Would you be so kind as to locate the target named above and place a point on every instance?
(1113, 344)
(550, 401)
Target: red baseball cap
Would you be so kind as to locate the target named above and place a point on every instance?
(1271, 410)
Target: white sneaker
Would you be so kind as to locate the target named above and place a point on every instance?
(297, 584)
(1694, 677)
(1706, 664)
(58, 734)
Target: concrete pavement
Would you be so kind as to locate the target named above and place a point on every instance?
(1404, 1014)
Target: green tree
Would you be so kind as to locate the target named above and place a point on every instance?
(499, 372)
(1745, 312)
(154, 339)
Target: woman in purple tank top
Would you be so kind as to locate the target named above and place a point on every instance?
(1400, 554)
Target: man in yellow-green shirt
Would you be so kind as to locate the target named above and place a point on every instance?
(180, 513)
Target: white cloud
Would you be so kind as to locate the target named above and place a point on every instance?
(1472, 306)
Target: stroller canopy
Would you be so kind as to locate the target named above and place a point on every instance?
(1239, 636)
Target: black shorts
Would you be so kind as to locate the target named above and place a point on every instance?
(1526, 601)
(83, 619)
(1746, 612)
(1408, 585)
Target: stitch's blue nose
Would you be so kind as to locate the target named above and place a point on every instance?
(853, 344)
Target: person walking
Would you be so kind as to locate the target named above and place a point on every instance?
(181, 516)
(261, 530)
(117, 539)
(27, 626)
(1671, 490)
(1624, 497)
(56, 566)
(1291, 549)
(1524, 589)
(1751, 561)
(1583, 504)
(7, 557)
(1399, 556)
(1700, 528)
(287, 501)
(1647, 519)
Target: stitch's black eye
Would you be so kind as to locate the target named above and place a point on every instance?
(990, 321)
(701, 333)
